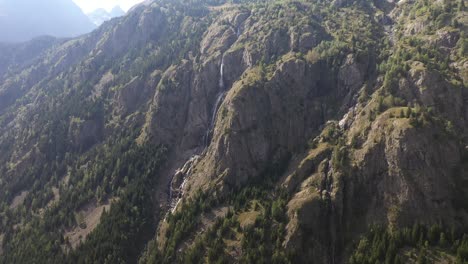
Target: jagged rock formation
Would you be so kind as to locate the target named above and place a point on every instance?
(101, 15)
(349, 122)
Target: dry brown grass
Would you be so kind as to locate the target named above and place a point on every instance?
(248, 218)
(18, 200)
(90, 215)
(433, 255)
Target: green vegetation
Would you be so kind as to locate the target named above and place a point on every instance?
(126, 228)
(120, 235)
(181, 225)
(254, 223)
(383, 246)
(260, 242)
(70, 138)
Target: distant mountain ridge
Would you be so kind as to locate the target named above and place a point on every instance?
(22, 20)
(101, 15)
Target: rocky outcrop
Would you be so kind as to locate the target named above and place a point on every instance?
(288, 111)
(135, 94)
(304, 38)
(168, 110)
(399, 175)
(427, 88)
(413, 180)
(248, 92)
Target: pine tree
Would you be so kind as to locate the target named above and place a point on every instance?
(409, 112)
(442, 240)
(461, 6)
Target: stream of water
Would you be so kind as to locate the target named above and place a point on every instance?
(186, 169)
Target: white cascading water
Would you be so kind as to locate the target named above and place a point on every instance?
(221, 74)
(184, 171)
(170, 190)
(187, 168)
(217, 104)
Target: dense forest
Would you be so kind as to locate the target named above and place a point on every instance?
(242, 131)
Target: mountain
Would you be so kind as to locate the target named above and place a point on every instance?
(240, 132)
(116, 12)
(101, 15)
(22, 20)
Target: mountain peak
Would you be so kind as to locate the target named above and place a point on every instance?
(25, 19)
(101, 15)
(117, 11)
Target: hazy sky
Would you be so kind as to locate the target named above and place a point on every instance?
(91, 5)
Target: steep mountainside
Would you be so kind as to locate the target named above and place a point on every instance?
(22, 20)
(246, 132)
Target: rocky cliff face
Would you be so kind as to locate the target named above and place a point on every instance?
(397, 172)
(357, 122)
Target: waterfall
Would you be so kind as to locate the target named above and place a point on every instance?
(179, 197)
(221, 74)
(186, 169)
(171, 193)
(219, 100)
(183, 172)
(175, 194)
(216, 106)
